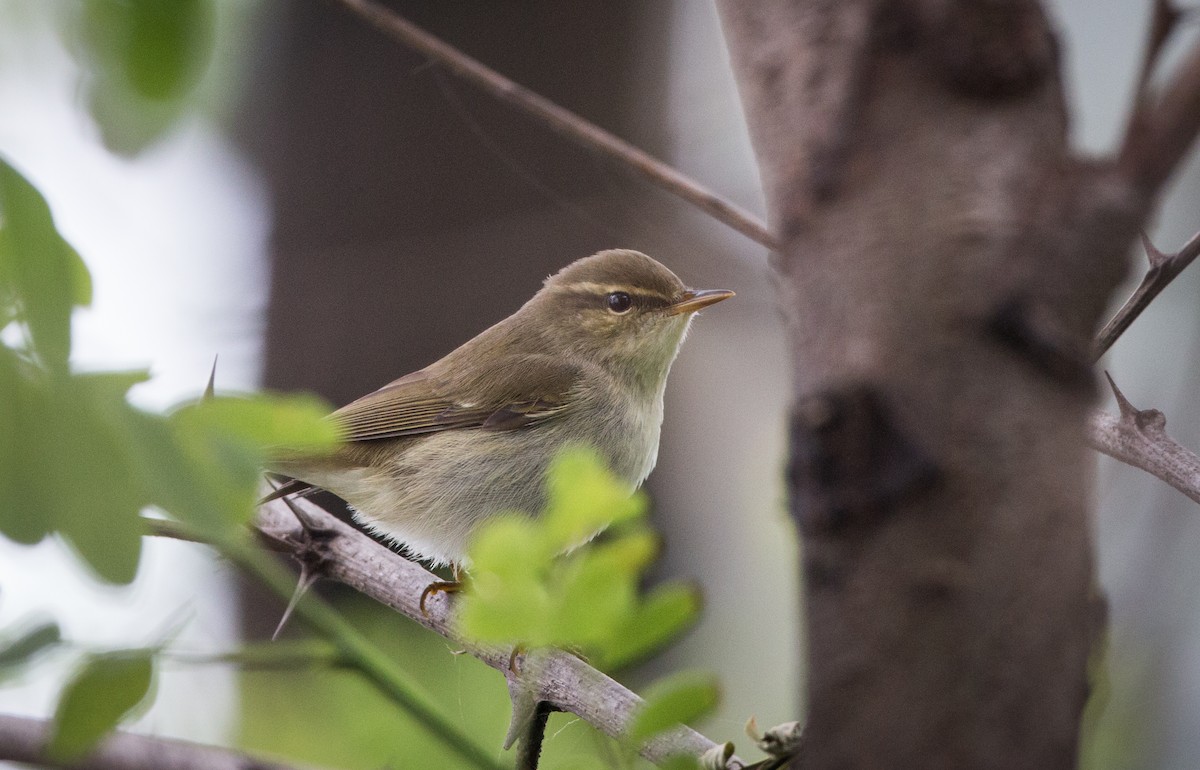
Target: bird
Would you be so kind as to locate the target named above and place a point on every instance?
(427, 459)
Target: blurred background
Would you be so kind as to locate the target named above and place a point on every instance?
(330, 212)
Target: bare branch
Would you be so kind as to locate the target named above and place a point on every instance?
(560, 679)
(562, 121)
(24, 740)
(1163, 269)
(1138, 437)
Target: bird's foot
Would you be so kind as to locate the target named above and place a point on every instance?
(439, 587)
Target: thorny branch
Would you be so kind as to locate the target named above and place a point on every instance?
(1163, 269)
(24, 740)
(552, 676)
(1138, 437)
(561, 120)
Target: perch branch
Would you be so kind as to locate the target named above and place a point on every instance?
(1138, 437)
(562, 680)
(562, 121)
(1163, 269)
(24, 740)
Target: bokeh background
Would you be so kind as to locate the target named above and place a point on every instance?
(331, 212)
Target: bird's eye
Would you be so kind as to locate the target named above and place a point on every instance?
(619, 302)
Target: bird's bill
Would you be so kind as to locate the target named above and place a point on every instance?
(694, 299)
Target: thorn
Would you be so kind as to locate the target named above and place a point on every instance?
(1142, 419)
(210, 390)
(313, 528)
(524, 709)
(1155, 257)
(1128, 410)
(307, 579)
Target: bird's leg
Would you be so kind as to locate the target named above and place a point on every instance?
(453, 585)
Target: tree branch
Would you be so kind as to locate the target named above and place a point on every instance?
(1163, 269)
(562, 121)
(24, 740)
(1164, 124)
(1138, 437)
(344, 554)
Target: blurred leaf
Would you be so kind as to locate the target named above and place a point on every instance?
(265, 422)
(145, 56)
(20, 517)
(45, 275)
(508, 599)
(593, 595)
(523, 589)
(26, 644)
(222, 445)
(667, 612)
(105, 689)
(678, 699)
(584, 498)
(88, 471)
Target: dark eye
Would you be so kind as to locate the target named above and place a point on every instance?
(619, 302)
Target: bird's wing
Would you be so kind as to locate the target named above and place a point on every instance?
(519, 391)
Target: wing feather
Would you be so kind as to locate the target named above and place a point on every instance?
(517, 392)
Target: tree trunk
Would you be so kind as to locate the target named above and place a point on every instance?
(944, 262)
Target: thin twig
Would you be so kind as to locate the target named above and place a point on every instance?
(1163, 269)
(1138, 437)
(24, 740)
(561, 120)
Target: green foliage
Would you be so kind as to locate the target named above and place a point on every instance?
(104, 689)
(76, 458)
(522, 589)
(144, 57)
(42, 279)
(20, 646)
(683, 697)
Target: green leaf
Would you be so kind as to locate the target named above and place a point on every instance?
(506, 598)
(46, 276)
(677, 699)
(584, 498)
(211, 476)
(100, 694)
(144, 57)
(668, 611)
(266, 422)
(64, 466)
(27, 644)
(597, 590)
(21, 518)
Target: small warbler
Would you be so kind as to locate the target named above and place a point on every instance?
(428, 458)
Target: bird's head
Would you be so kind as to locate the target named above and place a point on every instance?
(619, 308)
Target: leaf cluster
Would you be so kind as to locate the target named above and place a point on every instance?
(79, 461)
